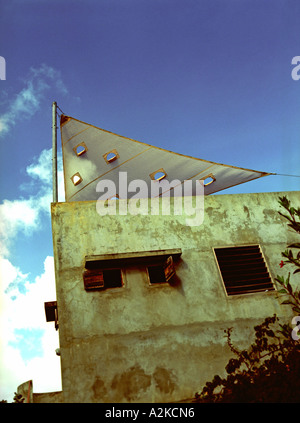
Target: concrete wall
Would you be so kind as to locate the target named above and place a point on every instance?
(159, 343)
(48, 398)
(26, 390)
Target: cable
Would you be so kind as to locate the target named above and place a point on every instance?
(60, 110)
(284, 174)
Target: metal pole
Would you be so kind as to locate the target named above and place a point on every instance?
(54, 152)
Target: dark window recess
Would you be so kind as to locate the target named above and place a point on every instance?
(102, 279)
(161, 273)
(243, 270)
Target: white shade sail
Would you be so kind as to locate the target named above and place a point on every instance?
(92, 154)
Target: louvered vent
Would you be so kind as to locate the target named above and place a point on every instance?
(243, 270)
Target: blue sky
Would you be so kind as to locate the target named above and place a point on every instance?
(206, 78)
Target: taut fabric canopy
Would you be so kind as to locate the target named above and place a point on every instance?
(92, 154)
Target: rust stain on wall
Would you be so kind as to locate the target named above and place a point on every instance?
(99, 389)
(164, 380)
(131, 382)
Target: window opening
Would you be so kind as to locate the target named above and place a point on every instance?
(80, 149)
(209, 179)
(243, 270)
(76, 179)
(156, 274)
(111, 156)
(161, 273)
(158, 175)
(102, 279)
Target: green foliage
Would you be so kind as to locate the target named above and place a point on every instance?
(294, 295)
(292, 215)
(266, 372)
(291, 256)
(269, 370)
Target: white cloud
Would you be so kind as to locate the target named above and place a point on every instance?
(12, 279)
(22, 297)
(15, 216)
(23, 215)
(27, 102)
(41, 168)
(27, 312)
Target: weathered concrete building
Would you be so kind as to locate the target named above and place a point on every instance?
(134, 336)
(144, 297)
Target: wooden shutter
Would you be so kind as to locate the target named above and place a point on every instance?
(93, 279)
(51, 312)
(169, 268)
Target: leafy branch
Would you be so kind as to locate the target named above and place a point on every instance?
(293, 217)
(292, 213)
(254, 374)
